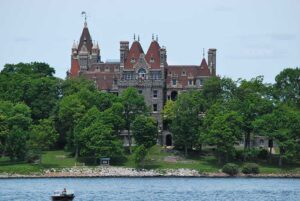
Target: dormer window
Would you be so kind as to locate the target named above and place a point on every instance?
(142, 73)
(151, 60)
(132, 60)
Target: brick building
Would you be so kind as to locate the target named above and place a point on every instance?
(149, 72)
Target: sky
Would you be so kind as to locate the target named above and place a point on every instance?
(252, 37)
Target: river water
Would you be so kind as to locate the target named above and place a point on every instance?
(162, 189)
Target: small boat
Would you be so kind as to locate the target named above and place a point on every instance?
(63, 196)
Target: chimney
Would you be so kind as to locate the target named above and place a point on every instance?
(212, 59)
(124, 49)
(163, 56)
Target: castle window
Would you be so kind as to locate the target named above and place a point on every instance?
(154, 107)
(191, 82)
(151, 60)
(132, 60)
(156, 75)
(142, 73)
(261, 142)
(174, 82)
(154, 93)
(201, 82)
(127, 76)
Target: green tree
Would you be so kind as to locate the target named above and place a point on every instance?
(100, 142)
(288, 86)
(6, 110)
(186, 122)
(168, 113)
(144, 130)
(115, 117)
(16, 143)
(252, 100)
(33, 84)
(140, 154)
(42, 136)
(74, 85)
(91, 116)
(223, 129)
(283, 126)
(134, 105)
(70, 112)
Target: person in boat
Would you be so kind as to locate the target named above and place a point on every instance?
(64, 192)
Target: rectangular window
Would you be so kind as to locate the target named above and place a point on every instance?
(174, 82)
(183, 73)
(154, 107)
(191, 82)
(154, 93)
(201, 82)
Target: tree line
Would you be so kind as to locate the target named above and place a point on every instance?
(40, 112)
(226, 112)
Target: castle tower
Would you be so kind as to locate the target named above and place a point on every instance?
(84, 54)
(212, 59)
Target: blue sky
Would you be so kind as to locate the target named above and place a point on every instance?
(253, 37)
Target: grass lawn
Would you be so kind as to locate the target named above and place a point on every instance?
(50, 159)
(157, 158)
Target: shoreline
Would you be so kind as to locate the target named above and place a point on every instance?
(121, 172)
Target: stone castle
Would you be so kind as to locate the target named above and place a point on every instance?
(149, 72)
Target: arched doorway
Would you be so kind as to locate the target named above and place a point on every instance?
(169, 140)
(174, 95)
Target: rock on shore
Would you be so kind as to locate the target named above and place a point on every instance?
(111, 171)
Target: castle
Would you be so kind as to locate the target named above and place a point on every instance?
(149, 72)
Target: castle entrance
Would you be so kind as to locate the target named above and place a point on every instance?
(169, 140)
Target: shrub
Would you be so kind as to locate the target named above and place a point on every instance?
(32, 157)
(263, 154)
(251, 154)
(230, 169)
(250, 168)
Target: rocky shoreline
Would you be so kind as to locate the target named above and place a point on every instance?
(109, 171)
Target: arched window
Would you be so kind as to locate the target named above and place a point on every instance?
(142, 73)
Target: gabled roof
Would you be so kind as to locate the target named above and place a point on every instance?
(204, 68)
(134, 52)
(153, 53)
(85, 36)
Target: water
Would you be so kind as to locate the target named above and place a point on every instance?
(187, 189)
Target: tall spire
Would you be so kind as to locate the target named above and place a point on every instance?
(203, 53)
(83, 13)
(152, 36)
(139, 38)
(156, 38)
(134, 36)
